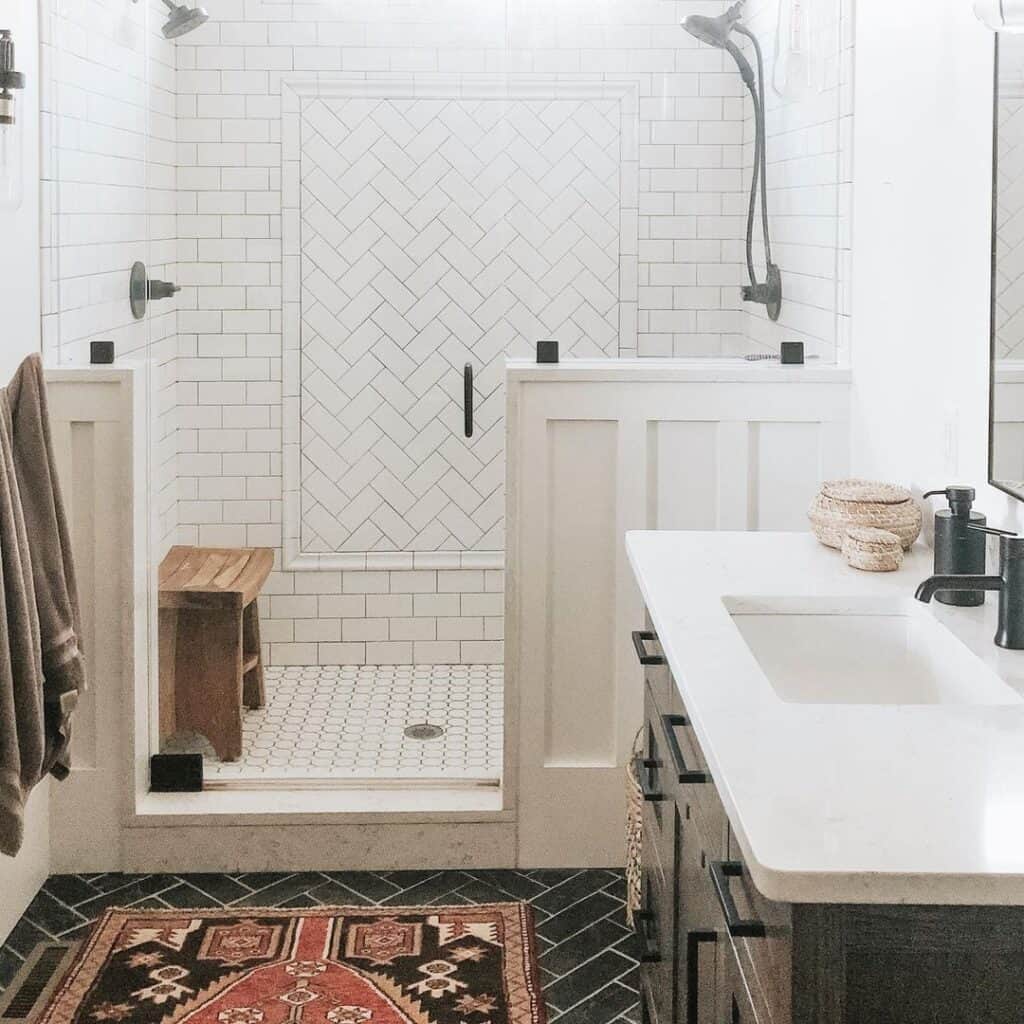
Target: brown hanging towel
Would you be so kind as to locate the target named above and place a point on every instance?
(42, 670)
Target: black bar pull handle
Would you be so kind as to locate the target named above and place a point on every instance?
(467, 398)
(639, 636)
(686, 775)
(739, 928)
(643, 767)
(643, 925)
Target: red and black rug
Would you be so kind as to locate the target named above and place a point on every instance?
(328, 965)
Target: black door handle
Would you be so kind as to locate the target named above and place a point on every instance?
(644, 926)
(738, 927)
(639, 636)
(467, 398)
(686, 775)
(645, 767)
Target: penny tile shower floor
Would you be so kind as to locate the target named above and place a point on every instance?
(349, 721)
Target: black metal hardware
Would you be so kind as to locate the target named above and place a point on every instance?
(639, 636)
(791, 353)
(547, 351)
(161, 289)
(642, 766)
(1009, 584)
(739, 928)
(986, 529)
(467, 398)
(694, 940)
(643, 921)
(176, 773)
(101, 351)
(686, 775)
(138, 290)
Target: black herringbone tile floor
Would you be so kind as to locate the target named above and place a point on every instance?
(587, 956)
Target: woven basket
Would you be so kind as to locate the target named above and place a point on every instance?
(872, 550)
(634, 832)
(842, 504)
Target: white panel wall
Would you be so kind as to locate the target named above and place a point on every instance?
(595, 454)
(96, 413)
(19, 300)
(922, 221)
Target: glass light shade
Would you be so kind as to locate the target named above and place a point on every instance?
(10, 166)
(1001, 15)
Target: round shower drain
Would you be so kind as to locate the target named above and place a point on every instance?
(424, 731)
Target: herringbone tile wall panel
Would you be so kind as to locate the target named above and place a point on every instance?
(437, 232)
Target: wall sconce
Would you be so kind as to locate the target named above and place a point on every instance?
(1001, 15)
(10, 129)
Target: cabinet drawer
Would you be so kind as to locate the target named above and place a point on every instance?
(658, 784)
(735, 1003)
(688, 763)
(655, 925)
(763, 944)
(698, 934)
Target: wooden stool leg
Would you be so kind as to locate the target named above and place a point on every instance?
(167, 642)
(209, 678)
(253, 691)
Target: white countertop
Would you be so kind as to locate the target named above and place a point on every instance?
(840, 803)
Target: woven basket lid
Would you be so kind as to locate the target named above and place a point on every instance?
(865, 491)
(871, 537)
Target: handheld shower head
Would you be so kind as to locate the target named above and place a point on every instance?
(182, 19)
(717, 32)
(714, 31)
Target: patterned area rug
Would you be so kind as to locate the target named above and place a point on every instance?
(329, 965)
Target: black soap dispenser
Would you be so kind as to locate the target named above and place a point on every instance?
(959, 550)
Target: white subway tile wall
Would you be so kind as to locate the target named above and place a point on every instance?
(109, 189)
(179, 157)
(808, 52)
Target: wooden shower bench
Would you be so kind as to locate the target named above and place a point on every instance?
(210, 663)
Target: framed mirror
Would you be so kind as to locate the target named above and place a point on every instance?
(1006, 401)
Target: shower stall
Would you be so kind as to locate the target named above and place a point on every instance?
(368, 208)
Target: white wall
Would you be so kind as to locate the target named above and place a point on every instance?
(921, 236)
(19, 300)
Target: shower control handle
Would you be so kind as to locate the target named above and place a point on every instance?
(162, 289)
(141, 289)
(467, 398)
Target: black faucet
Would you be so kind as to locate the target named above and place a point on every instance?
(1009, 583)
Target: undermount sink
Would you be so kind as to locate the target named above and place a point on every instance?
(870, 651)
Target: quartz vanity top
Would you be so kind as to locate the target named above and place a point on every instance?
(840, 803)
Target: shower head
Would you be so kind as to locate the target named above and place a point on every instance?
(718, 31)
(183, 19)
(714, 31)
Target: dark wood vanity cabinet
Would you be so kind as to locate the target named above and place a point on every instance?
(715, 951)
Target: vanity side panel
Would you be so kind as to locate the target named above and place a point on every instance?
(819, 964)
(907, 965)
(934, 965)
